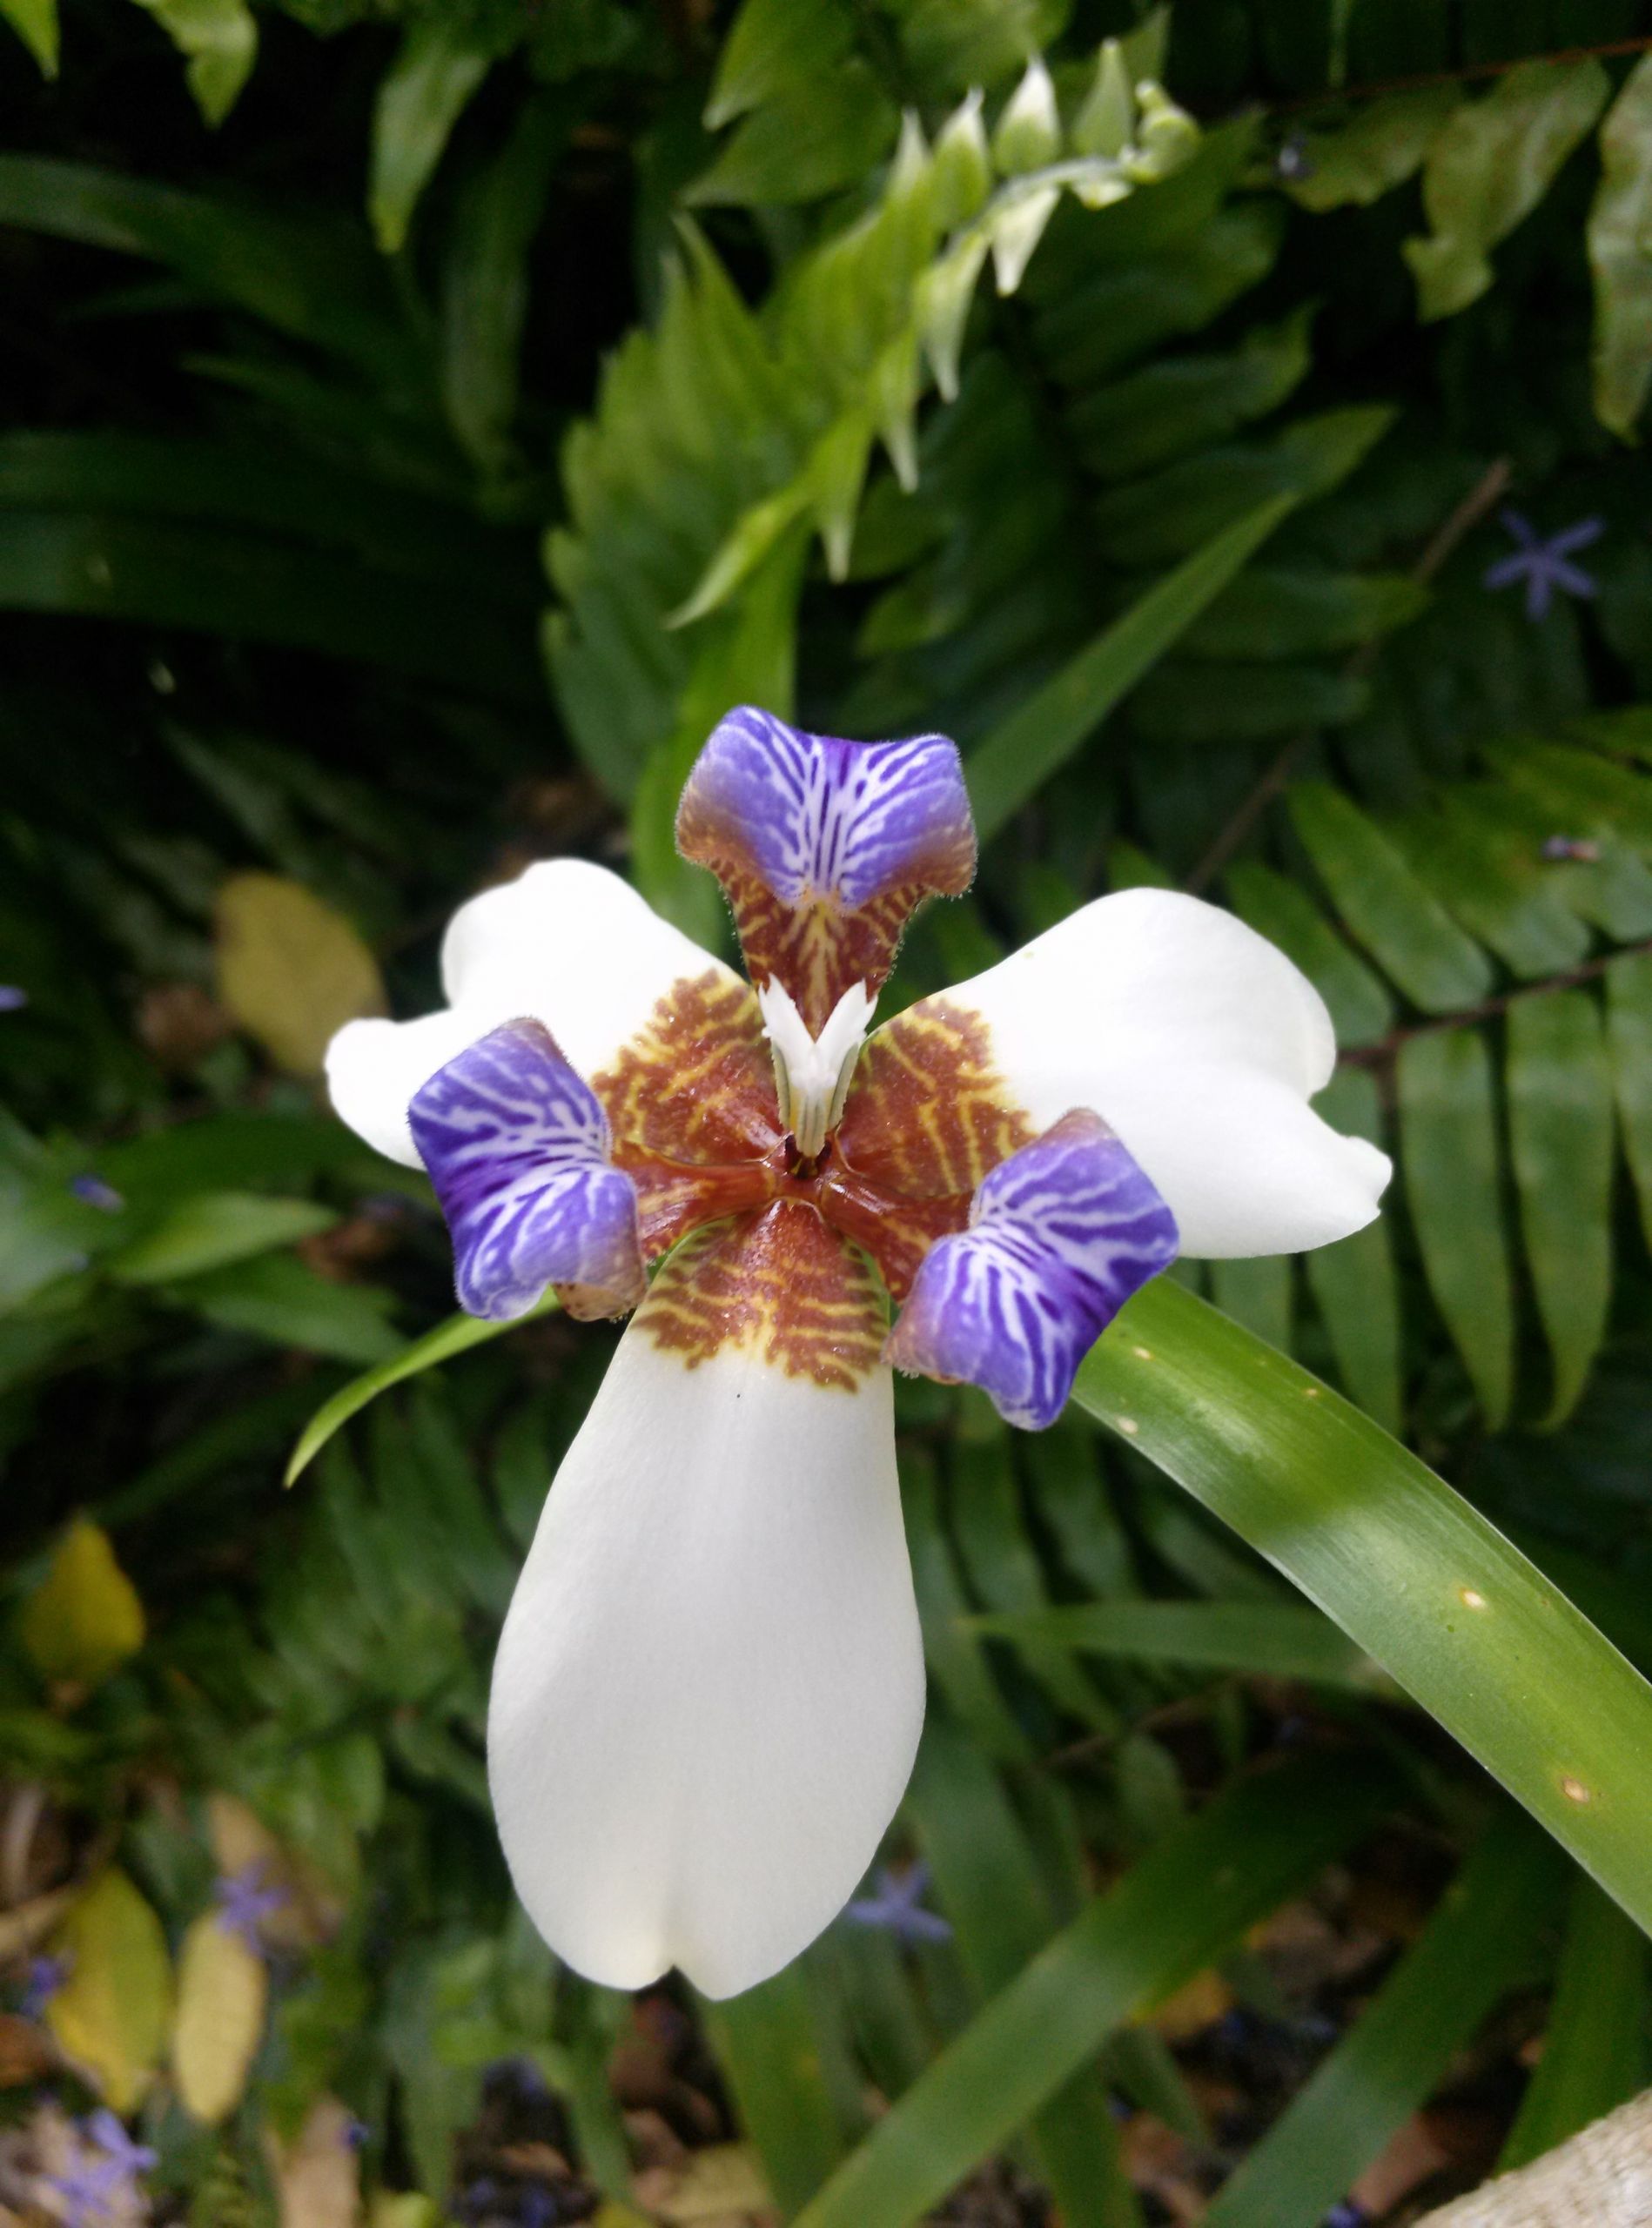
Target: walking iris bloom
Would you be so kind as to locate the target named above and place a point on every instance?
(710, 1685)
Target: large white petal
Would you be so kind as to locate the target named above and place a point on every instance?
(710, 1690)
(1200, 1043)
(566, 943)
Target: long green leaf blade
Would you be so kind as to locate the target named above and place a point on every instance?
(1474, 1948)
(1407, 1568)
(457, 1335)
(1289, 1642)
(1166, 1920)
(1040, 735)
(1595, 2051)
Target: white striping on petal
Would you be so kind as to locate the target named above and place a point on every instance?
(1201, 1044)
(710, 1690)
(566, 943)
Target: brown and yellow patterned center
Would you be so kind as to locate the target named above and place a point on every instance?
(777, 1261)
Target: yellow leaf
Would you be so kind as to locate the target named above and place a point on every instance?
(289, 968)
(84, 1617)
(710, 2187)
(316, 2178)
(111, 2015)
(222, 1993)
(407, 2209)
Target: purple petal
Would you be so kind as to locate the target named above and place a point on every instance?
(1577, 537)
(1539, 592)
(824, 846)
(517, 1148)
(92, 1191)
(1507, 570)
(1572, 578)
(13, 997)
(1060, 1235)
(1516, 523)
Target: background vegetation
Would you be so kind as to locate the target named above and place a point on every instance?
(422, 420)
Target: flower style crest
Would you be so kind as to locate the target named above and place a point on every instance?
(709, 1688)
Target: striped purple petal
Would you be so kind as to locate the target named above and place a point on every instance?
(824, 846)
(517, 1148)
(1060, 1235)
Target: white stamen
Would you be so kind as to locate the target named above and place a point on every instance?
(812, 1074)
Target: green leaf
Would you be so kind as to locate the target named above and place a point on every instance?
(1247, 1637)
(810, 137)
(485, 292)
(1380, 146)
(1021, 753)
(988, 1884)
(1561, 1142)
(768, 2042)
(36, 23)
(1629, 1028)
(1256, 1292)
(1171, 1916)
(1448, 1129)
(220, 38)
(213, 1228)
(278, 1298)
(1474, 1948)
(457, 1335)
(775, 46)
(1409, 1570)
(1399, 921)
(438, 66)
(1283, 911)
(1489, 166)
(1620, 250)
(1355, 1281)
(1594, 2048)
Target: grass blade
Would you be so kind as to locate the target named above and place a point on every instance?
(1284, 1643)
(1594, 2052)
(1041, 734)
(1178, 1909)
(1475, 1947)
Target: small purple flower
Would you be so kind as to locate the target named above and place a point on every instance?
(357, 2135)
(1346, 2215)
(1558, 849)
(244, 1903)
(128, 2159)
(95, 2187)
(539, 2207)
(895, 1908)
(1544, 564)
(46, 1976)
(13, 997)
(94, 1192)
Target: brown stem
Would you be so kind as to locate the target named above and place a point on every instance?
(1604, 52)
(1488, 490)
(1379, 1055)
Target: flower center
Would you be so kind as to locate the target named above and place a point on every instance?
(812, 1074)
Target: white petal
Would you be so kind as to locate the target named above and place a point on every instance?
(1201, 1044)
(708, 1694)
(566, 943)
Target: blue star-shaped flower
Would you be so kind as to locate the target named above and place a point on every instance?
(1544, 563)
(895, 1908)
(244, 1903)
